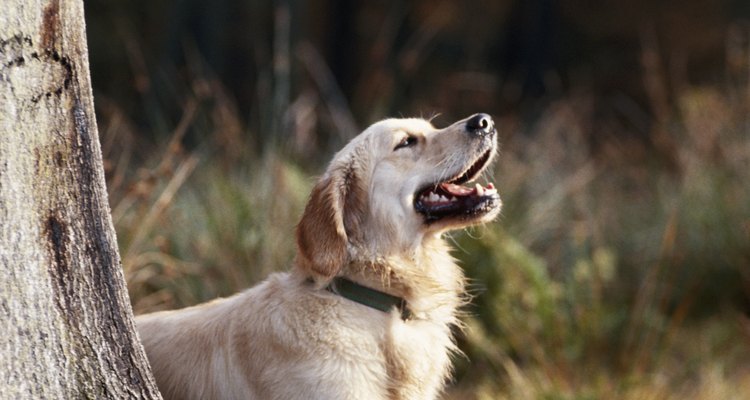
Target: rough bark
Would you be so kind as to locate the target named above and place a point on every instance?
(66, 325)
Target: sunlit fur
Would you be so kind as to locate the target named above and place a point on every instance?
(289, 338)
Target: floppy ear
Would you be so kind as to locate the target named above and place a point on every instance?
(332, 219)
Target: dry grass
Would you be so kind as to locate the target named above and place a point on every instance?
(615, 274)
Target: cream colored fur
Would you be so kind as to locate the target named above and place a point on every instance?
(289, 338)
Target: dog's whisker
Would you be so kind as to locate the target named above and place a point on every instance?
(455, 243)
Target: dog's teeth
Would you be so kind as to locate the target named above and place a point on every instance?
(433, 197)
(490, 189)
(480, 190)
(452, 198)
(443, 199)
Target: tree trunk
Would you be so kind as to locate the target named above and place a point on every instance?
(66, 325)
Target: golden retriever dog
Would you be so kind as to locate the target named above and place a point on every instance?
(367, 308)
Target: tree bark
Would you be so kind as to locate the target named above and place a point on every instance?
(66, 325)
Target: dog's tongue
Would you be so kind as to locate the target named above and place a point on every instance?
(459, 190)
(456, 190)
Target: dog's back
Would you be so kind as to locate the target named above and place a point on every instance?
(278, 340)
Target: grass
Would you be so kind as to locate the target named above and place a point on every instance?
(617, 270)
(612, 275)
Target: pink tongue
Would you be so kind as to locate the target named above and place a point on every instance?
(456, 190)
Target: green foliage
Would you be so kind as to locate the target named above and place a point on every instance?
(644, 267)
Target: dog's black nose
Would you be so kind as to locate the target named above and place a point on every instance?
(480, 124)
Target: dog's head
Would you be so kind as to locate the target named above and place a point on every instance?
(396, 184)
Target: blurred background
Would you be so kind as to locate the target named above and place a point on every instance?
(620, 267)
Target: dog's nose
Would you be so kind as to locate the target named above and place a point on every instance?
(480, 124)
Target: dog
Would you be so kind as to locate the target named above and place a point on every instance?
(368, 306)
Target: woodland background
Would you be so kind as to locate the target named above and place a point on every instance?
(620, 267)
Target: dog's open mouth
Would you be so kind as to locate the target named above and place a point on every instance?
(451, 199)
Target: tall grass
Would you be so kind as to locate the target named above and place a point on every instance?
(618, 269)
(193, 225)
(615, 274)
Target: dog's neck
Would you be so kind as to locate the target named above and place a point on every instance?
(428, 280)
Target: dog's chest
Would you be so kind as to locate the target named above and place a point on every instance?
(417, 359)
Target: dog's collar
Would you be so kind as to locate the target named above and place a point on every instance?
(369, 297)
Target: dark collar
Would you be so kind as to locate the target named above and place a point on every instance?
(369, 297)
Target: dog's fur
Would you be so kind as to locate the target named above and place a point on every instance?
(289, 338)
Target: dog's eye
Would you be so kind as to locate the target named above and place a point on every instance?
(407, 142)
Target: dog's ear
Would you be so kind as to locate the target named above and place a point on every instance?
(331, 221)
